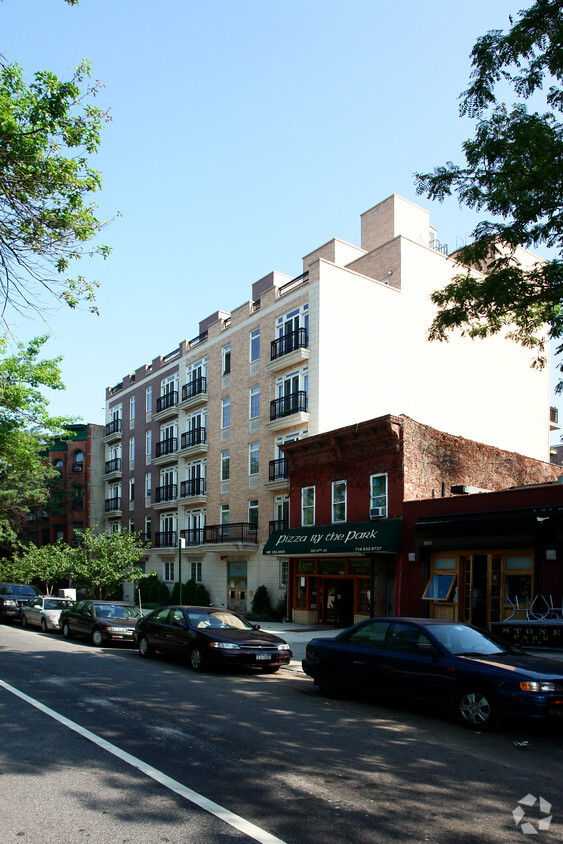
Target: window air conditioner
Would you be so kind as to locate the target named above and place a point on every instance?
(376, 512)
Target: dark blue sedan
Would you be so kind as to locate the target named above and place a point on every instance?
(475, 675)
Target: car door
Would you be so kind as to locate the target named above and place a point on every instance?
(415, 666)
(175, 633)
(33, 611)
(359, 656)
(82, 620)
(155, 628)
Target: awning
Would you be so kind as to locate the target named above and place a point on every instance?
(381, 536)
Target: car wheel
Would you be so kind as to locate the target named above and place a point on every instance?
(330, 683)
(270, 669)
(24, 621)
(144, 647)
(97, 638)
(477, 709)
(44, 627)
(197, 660)
(66, 630)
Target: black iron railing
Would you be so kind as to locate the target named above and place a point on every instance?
(279, 469)
(298, 339)
(169, 492)
(193, 536)
(113, 427)
(278, 524)
(191, 487)
(113, 504)
(167, 400)
(166, 539)
(168, 446)
(195, 387)
(196, 436)
(113, 465)
(286, 405)
(233, 532)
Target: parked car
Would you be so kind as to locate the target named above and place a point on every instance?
(474, 674)
(14, 596)
(100, 621)
(44, 611)
(209, 636)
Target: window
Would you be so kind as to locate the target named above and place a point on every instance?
(132, 407)
(195, 569)
(148, 400)
(339, 501)
(226, 413)
(225, 465)
(226, 359)
(131, 525)
(224, 514)
(148, 485)
(254, 345)
(131, 489)
(378, 495)
(308, 505)
(59, 466)
(148, 526)
(284, 571)
(253, 458)
(253, 511)
(116, 527)
(254, 402)
(148, 443)
(440, 586)
(131, 448)
(78, 461)
(169, 572)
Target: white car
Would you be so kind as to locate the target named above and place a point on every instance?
(44, 612)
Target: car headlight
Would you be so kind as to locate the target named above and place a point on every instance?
(283, 647)
(226, 646)
(9, 603)
(535, 686)
(111, 629)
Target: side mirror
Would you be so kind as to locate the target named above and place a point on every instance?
(256, 626)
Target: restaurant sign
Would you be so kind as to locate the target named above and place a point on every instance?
(381, 536)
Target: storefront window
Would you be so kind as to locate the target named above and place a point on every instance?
(439, 587)
(332, 567)
(306, 566)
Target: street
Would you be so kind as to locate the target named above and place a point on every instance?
(277, 760)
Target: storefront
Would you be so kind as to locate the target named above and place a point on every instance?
(339, 574)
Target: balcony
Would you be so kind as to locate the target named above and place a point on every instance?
(234, 533)
(194, 393)
(113, 505)
(193, 488)
(163, 494)
(166, 405)
(166, 539)
(279, 469)
(290, 350)
(193, 442)
(278, 524)
(113, 467)
(113, 430)
(554, 419)
(288, 411)
(193, 536)
(165, 450)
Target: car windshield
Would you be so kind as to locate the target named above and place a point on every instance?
(11, 589)
(218, 621)
(462, 640)
(56, 604)
(116, 611)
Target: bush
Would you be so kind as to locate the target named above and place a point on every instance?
(192, 593)
(261, 605)
(153, 590)
(280, 610)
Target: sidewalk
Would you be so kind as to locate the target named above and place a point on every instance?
(297, 635)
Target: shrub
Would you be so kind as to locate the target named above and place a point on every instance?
(153, 590)
(192, 593)
(261, 605)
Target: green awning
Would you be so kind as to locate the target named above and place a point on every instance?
(381, 536)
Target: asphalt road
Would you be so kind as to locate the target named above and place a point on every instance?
(274, 760)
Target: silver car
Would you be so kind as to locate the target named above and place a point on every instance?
(44, 612)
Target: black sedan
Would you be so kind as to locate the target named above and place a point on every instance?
(475, 675)
(100, 621)
(14, 596)
(209, 636)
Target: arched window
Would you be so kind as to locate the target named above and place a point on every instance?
(59, 466)
(78, 461)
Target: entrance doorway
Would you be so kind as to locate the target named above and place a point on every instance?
(237, 587)
(338, 602)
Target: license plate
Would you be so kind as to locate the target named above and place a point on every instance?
(263, 656)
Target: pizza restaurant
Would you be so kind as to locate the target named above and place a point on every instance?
(339, 574)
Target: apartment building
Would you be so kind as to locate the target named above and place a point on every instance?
(195, 440)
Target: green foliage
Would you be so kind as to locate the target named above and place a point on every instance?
(153, 590)
(513, 172)
(48, 129)
(25, 430)
(280, 610)
(261, 604)
(47, 564)
(193, 593)
(107, 560)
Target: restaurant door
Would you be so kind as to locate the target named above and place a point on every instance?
(338, 602)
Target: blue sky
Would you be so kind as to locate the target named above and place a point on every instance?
(244, 134)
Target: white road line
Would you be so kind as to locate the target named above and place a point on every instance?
(225, 815)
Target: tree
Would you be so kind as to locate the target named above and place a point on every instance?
(47, 131)
(48, 564)
(25, 430)
(108, 560)
(513, 172)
